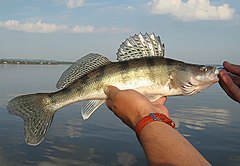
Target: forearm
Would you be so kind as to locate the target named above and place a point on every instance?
(161, 143)
(164, 145)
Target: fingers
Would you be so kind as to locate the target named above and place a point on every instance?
(234, 69)
(223, 83)
(228, 82)
(229, 86)
(236, 79)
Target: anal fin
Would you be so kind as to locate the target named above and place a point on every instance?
(89, 107)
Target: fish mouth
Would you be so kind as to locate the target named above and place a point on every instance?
(213, 75)
(212, 78)
(215, 72)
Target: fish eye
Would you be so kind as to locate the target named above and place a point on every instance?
(204, 69)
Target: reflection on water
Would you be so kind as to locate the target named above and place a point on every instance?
(208, 120)
(125, 159)
(70, 157)
(200, 118)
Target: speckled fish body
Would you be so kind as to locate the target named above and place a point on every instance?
(152, 76)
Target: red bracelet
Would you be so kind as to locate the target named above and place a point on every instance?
(151, 118)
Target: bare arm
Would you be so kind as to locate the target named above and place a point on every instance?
(161, 143)
(229, 80)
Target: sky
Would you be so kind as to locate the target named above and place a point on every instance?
(195, 31)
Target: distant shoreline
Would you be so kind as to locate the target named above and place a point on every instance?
(32, 62)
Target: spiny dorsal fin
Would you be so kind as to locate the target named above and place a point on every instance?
(79, 68)
(139, 46)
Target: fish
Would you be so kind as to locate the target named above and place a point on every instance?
(141, 65)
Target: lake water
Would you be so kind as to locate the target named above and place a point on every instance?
(209, 120)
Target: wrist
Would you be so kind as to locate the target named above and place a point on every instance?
(140, 114)
(152, 117)
(135, 114)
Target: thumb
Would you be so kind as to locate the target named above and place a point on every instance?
(110, 91)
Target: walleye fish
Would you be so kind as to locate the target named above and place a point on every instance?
(141, 66)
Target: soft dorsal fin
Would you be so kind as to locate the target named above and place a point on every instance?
(138, 46)
(81, 67)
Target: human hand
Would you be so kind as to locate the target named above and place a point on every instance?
(229, 80)
(131, 106)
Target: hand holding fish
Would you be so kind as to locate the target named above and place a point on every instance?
(131, 106)
(157, 139)
(229, 80)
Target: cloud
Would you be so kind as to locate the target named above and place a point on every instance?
(41, 27)
(81, 29)
(130, 8)
(192, 10)
(75, 3)
(30, 27)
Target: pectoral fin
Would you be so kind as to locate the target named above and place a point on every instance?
(89, 107)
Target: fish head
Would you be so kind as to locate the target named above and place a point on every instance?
(193, 78)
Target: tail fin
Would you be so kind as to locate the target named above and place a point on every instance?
(37, 113)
